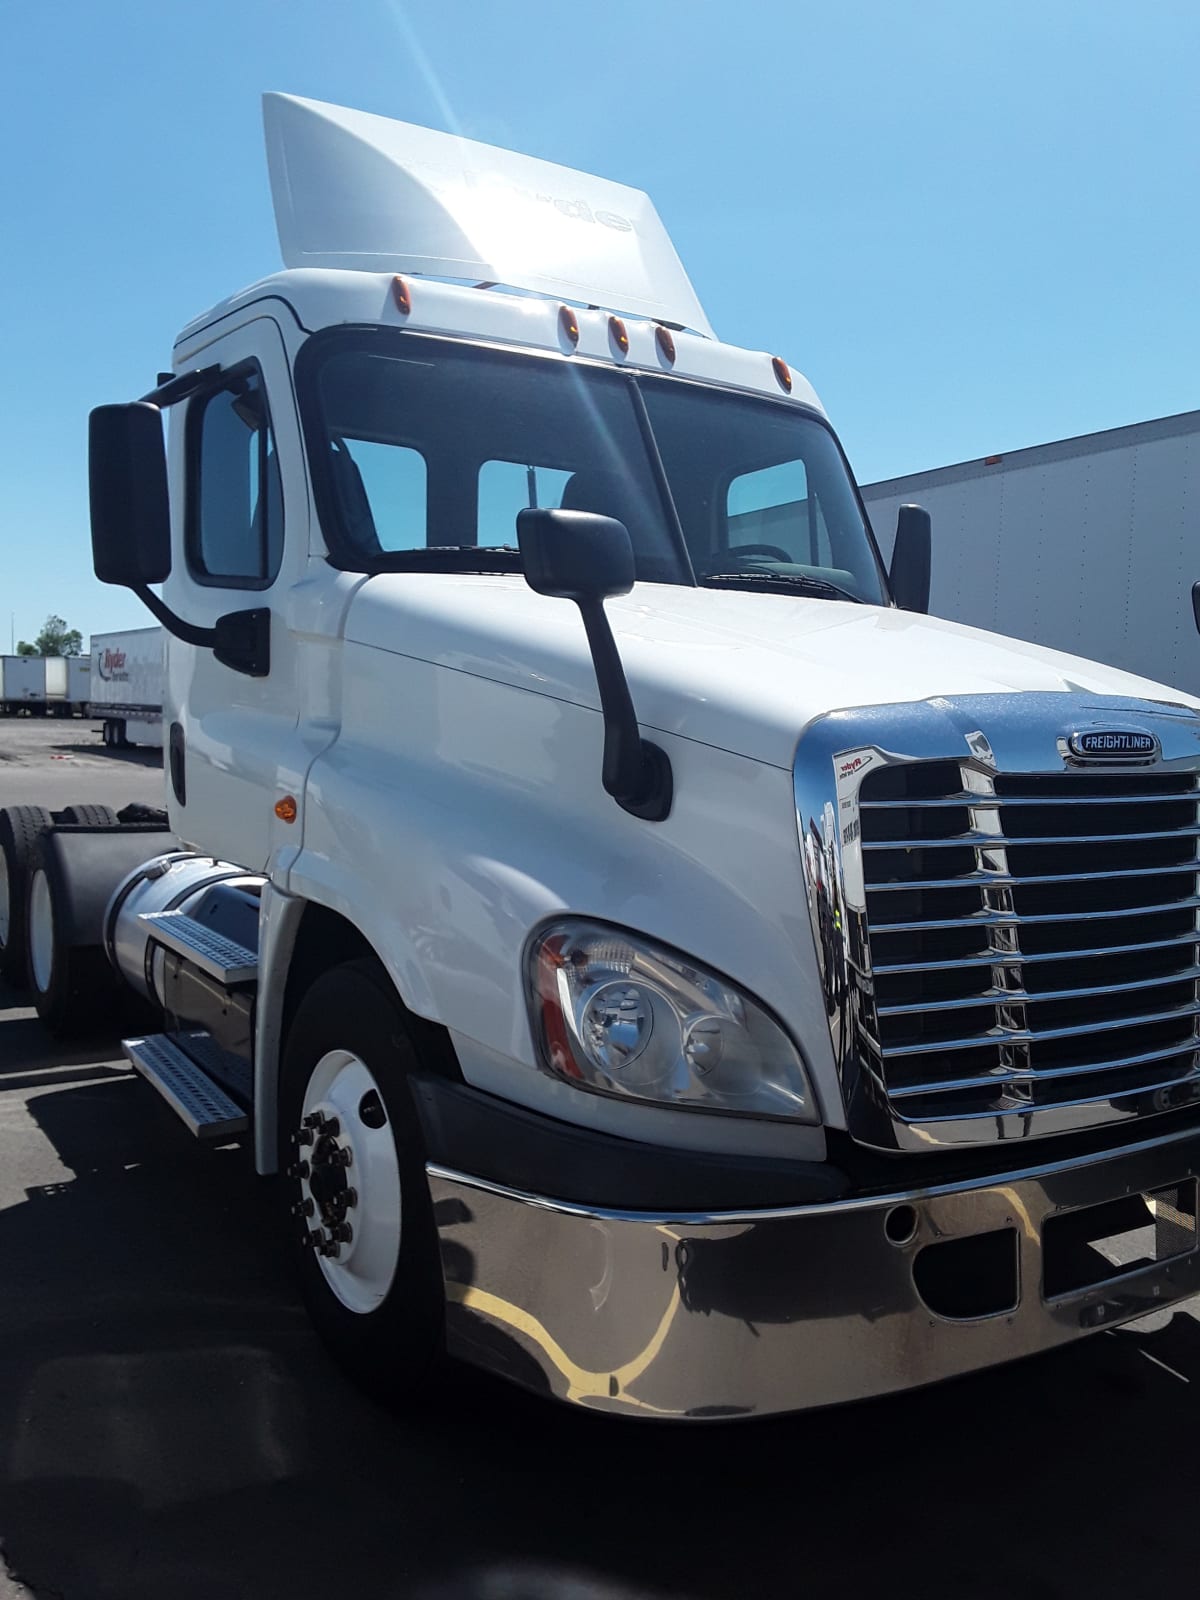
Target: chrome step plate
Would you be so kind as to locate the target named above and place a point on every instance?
(199, 1102)
(230, 963)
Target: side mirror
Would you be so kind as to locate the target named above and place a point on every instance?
(575, 555)
(581, 556)
(127, 471)
(911, 558)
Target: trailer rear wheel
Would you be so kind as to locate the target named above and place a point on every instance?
(359, 1210)
(20, 828)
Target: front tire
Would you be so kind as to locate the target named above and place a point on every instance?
(359, 1213)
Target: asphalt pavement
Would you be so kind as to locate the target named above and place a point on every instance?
(170, 1426)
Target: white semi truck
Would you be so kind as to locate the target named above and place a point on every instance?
(656, 962)
(1086, 544)
(127, 686)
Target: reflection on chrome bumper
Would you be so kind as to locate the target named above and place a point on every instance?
(743, 1314)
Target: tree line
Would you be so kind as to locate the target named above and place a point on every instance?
(55, 639)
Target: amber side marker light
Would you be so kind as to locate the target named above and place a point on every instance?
(783, 373)
(618, 335)
(569, 324)
(285, 809)
(992, 461)
(401, 296)
(666, 344)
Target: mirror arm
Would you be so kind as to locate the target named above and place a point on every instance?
(240, 640)
(173, 389)
(635, 772)
(189, 632)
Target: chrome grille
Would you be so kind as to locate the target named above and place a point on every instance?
(1031, 940)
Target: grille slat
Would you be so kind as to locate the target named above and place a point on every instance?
(976, 840)
(1025, 959)
(1006, 880)
(1033, 1035)
(958, 1006)
(1010, 919)
(1001, 1079)
(1034, 996)
(967, 799)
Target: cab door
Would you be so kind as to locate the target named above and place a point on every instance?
(239, 536)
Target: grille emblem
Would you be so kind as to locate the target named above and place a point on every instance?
(1109, 744)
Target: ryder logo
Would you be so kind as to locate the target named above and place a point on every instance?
(110, 664)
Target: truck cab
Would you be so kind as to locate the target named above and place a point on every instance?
(655, 961)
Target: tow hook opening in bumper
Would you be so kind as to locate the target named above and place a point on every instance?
(1093, 1245)
(976, 1276)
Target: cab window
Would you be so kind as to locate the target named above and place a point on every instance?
(235, 513)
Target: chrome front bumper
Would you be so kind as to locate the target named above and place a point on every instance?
(748, 1314)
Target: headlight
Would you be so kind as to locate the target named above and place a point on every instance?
(617, 1014)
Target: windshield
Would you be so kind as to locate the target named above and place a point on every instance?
(425, 450)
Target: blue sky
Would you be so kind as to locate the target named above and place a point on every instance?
(974, 226)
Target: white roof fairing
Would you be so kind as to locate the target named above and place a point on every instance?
(353, 190)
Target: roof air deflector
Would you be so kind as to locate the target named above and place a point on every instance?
(353, 190)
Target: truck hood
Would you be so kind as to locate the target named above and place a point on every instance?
(744, 672)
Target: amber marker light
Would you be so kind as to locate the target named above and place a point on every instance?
(666, 344)
(286, 808)
(569, 324)
(618, 335)
(401, 296)
(783, 373)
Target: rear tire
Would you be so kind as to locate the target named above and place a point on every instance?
(75, 991)
(90, 816)
(20, 829)
(379, 1303)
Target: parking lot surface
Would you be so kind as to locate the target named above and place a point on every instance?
(169, 1425)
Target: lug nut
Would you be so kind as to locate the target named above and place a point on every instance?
(342, 1232)
(303, 1208)
(331, 1126)
(315, 1239)
(315, 1119)
(345, 1156)
(351, 1197)
(302, 1136)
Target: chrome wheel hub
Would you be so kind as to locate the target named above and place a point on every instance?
(349, 1177)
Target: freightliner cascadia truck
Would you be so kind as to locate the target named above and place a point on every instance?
(653, 959)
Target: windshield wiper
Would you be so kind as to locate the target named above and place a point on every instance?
(780, 583)
(449, 558)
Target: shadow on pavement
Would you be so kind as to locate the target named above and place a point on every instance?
(172, 1428)
(133, 756)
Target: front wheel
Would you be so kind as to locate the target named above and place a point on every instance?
(358, 1206)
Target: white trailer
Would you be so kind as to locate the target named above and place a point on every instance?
(1087, 544)
(656, 962)
(23, 685)
(79, 677)
(57, 686)
(42, 686)
(126, 679)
